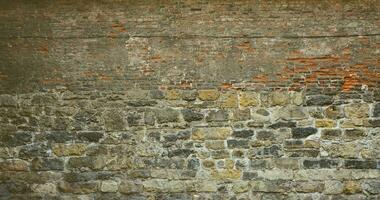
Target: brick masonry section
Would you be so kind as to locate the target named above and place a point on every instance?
(189, 100)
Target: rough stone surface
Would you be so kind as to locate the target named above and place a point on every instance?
(190, 100)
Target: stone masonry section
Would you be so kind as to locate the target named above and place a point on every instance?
(192, 100)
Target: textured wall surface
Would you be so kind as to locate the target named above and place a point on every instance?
(189, 99)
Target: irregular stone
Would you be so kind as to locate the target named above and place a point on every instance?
(333, 187)
(371, 122)
(34, 150)
(78, 188)
(202, 186)
(237, 144)
(75, 149)
(279, 98)
(376, 110)
(283, 124)
(240, 187)
(13, 165)
(249, 175)
(9, 138)
(109, 186)
(345, 150)
(241, 115)
(355, 133)
(228, 100)
(130, 187)
(329, 134)
(215, 144)
(319, 100)
(244, 133)
(356, 110)
(180, 152)
(181, 135)
(44, 99)
(303, 132)
(189, 95)
(114, 120)
(7, 100)
(286, 163)
(281, 186)
(156, 94)
(360, 164)
(351, 187)
(227, 174)
(263, 112)
(138, 94)
(88, 162)
(191, 115)
(162, 185)
(371, 186)
(212, 133)
(47, 164)
(47, 188)
(248, 99)
(333, 112)
(141, 103)
(193, 163)
(320, 163)
(219, 115)
(134, 118)
(324, 123)
(208, 95)
(289, 113)
(208, 163)
(272, 151)
(173, 94)
(90, 136)
(265, 135)
(297, 98)
(166, 115)
(220, 154)
(308, 186)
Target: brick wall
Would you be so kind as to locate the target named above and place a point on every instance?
(189, 99)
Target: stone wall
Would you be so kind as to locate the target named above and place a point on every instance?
(189, 99)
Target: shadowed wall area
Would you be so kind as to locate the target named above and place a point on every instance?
(189, 99)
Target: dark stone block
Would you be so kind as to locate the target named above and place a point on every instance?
(265, 135)
(90, 136)
(303, 132)
(376, 110)
(156, 94)
(34, 150)
(282, 124)
(319, 100)
(246, 133)
(360, 164)
(193, 164)
(237, 144)
(262, 112)
(190, 115)
(181, 152)
(14, 139)
(134, 118)
(322, 163)
(47, 164)
(355, 133)
(181, 135)
(249, 176)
